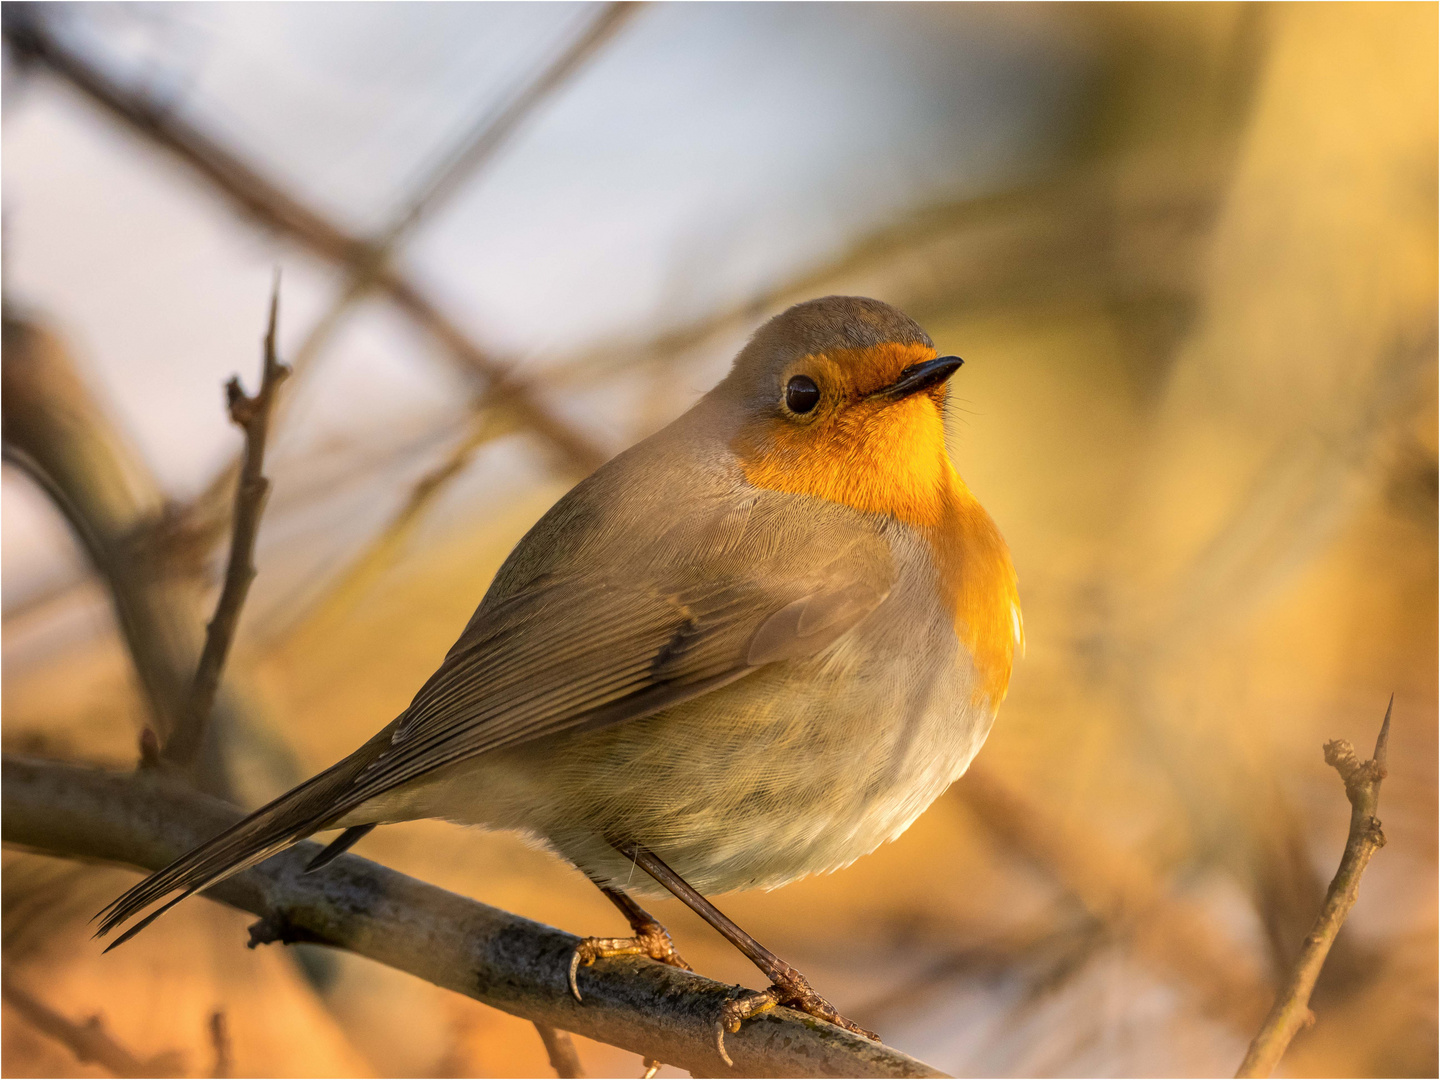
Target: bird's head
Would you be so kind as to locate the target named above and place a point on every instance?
(843, 398)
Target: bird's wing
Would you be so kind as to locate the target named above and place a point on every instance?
(564, 653)
(583, 653)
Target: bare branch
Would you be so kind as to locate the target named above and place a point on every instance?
(479, 144)
(269, 203)
(497, 958)
(475, 149)
(1291, 1011)
(58, 434)
(89, 1042)
(252, 414)
(561, 1050)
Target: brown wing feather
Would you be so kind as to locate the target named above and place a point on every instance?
(571, 653)
(539, 673)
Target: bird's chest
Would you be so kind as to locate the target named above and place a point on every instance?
(804, 766)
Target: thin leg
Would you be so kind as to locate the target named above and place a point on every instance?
(788, 986)
(651, 939)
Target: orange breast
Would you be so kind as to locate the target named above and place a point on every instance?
(891, 460)
(979, 581)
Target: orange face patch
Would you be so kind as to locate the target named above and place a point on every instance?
(880, 457)
(889, 458)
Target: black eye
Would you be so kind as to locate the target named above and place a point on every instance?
(801, 394)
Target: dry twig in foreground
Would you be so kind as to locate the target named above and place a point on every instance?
(490, 955)
(1291, 1011)
(251, 415)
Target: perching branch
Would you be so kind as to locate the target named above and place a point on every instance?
(252, 415)
(497, 958)
(1291, 1011)
(89, 1042)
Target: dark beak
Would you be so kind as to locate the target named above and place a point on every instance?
(918, 377)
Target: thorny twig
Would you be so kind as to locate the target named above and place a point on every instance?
(252, 415)
(89, 1041)
(561, 1050)
(1291, 1011)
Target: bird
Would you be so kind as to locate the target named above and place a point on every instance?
(754, 646)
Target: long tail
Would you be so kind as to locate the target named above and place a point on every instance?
(292, 817)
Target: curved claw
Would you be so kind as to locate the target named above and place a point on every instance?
(752, 1003)
(576, 958)
(574, 970)
(720, 1042)
(737, 1010)
(653, 942)
(652, 1066)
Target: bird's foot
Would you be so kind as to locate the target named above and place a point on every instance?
(794, 992)
(651, 939)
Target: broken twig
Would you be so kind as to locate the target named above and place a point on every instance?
(1291, 1011)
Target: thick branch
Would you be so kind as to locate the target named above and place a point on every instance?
(60, 436)
(1291, 1011)
(500, 959)
(252, 415)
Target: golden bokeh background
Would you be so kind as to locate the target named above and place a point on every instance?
(1198, 309)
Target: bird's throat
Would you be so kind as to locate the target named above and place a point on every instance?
(896, 465)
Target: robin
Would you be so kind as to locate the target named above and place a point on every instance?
(754, 646)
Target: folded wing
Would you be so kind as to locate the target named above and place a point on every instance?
(567, 654)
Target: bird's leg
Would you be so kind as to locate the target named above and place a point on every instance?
(651, 939)
(787, 986)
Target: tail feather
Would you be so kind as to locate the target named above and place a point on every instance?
(337, 847)
(292, 817)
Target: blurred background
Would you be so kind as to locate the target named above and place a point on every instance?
(1189, 255)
